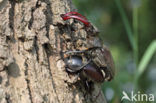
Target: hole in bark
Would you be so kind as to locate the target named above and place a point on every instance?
(22, 39)
(8, 38)
(62, 28)
(7, 84)
(73, 29)
(13, 70)
(45, 98)
(68, 40)
(49, 49)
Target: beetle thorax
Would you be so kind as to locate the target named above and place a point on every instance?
(98, 58)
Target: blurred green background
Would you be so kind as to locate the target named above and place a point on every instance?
(128, 28)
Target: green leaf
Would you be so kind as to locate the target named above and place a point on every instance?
(146, 58)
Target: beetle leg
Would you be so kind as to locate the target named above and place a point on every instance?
(86, 64)
(82, 51)
(106, 74)
(70, 52)
(88, 87)
(103, 73)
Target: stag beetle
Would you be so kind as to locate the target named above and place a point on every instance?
(89, 63)
(95, 63)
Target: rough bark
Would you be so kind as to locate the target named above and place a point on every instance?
(32, 35)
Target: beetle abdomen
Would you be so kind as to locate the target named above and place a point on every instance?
(92, 71)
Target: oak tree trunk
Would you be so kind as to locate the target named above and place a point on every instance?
(32, 35)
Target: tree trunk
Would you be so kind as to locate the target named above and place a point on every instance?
(32, 35)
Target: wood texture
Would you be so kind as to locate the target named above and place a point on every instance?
(32, 35)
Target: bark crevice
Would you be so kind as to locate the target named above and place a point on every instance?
(36, 48)
(48, 54)
(48, 14)
(32, 13)
(29, 90)
(11, 15)
(28, 81)
(7, 98)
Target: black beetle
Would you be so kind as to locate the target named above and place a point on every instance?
(89, 62)
(73, 63)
